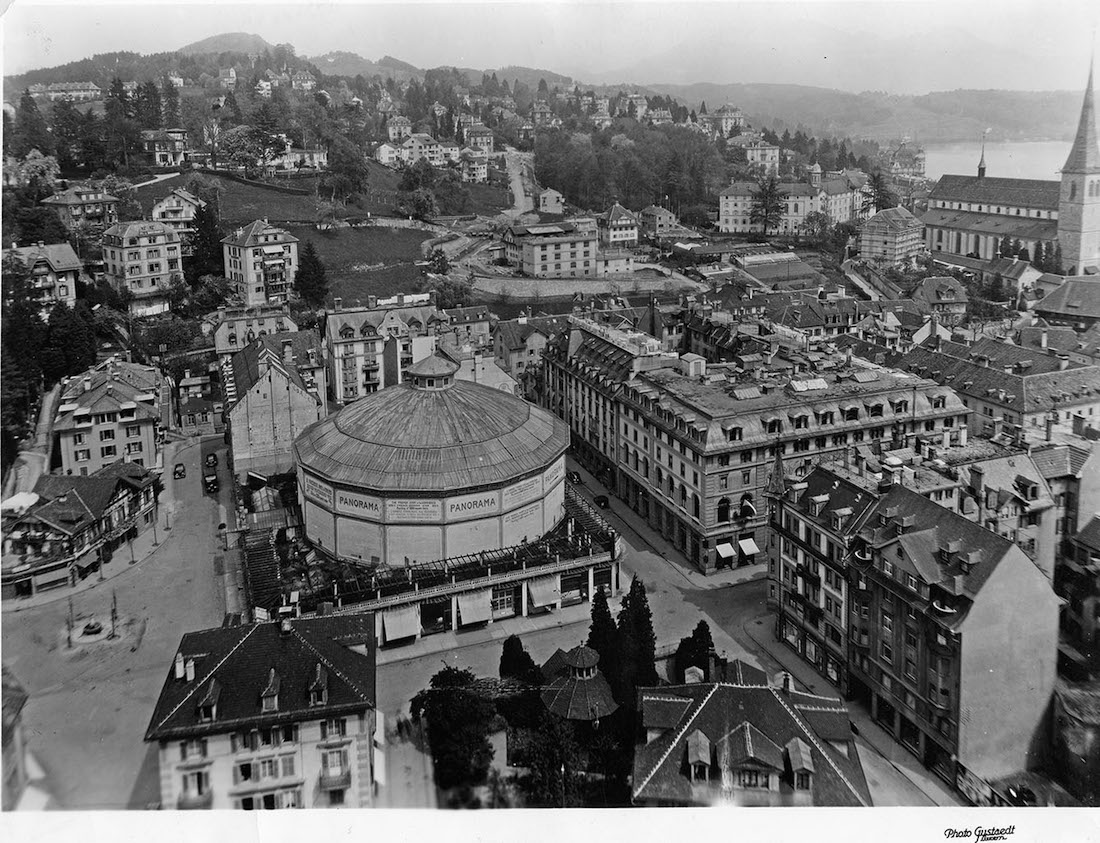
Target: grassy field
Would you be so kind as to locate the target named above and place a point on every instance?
(347, 254)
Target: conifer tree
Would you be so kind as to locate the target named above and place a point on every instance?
(310, 281)
(603, 637)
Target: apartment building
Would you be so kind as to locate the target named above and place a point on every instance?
(237, 327)
(892, 236)
(841, 198)
(551, 202)
(271, 715)
(53, 270)
(165, 147)
(763, 156)
(657, 221)
(689, 445)
(551, 250)
(274, 389)
(355, 339)
(419, 146)
(398, 128)
(115, 410)
(473, 168)
(177, 211)
(518, 343)
(479, 137)
(78, 204)
(260, 262)
(618, 227)
(946, 631)
(144, 259)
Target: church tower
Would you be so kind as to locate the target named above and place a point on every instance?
(1079, 201)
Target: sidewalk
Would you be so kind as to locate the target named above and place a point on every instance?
(870, 733)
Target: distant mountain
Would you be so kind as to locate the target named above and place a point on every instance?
(397, 64)
(943, 116)
(530, 76)
(228, 42)
(343, 63)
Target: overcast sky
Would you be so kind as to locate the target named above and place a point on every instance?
(903, 46)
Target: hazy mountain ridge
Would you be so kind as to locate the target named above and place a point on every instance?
(228, 42)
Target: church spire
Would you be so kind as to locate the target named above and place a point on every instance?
(1084, 156)
(981, 162)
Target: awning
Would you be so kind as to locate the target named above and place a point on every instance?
(475, 606)
(402, 622)
(748, 546)
(725, 550)
(544, 591)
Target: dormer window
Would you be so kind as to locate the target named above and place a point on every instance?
(802, 781)
(318, 687)
(270, 696)
(875, 411)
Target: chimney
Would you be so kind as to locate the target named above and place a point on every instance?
(1051, 416)
(284, 627)
(1063, 362)
(1043, 338)
(87, 383)
(288, 351)
(186, 374)
(189, 669)
(786, 681)
(179, 666)
(337, 303)
(41, 245)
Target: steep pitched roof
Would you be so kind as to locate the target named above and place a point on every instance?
(896, 219)
(1075, 298)
(985, 190)
(250, 235)
(1084, 157)
(59, 256)
(238, 662)
(251, 362)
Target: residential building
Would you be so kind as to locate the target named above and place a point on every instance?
(893, 236)
(274, 389)
(841, 199)
(292, 159)
(1075, 304)
(946, 631)
(115, 410)
(563, 249)
(15, 740)
(1004, 385)
(75, 91)
(724, 119)
(165, 147)
(906, 159)
(355, 339)
(614, 262)
(53, 270)
(618, 227)
(1079, 583)
(388, 154)
(227, 77)
(479, 137)
(518, 343)
(420, 145)
(74, 526)
(271, 715)
(177, 211)
(738, 741)
(237, 327)
(303, 80)
(657, 220)
(1077, 739)
(542, 114)
(469, 325)
(145, 259)
(944, 296)
(764, 157)
(474, 168)
(688, 445)
(550, 202)
(452, 152)
(398, 128)
(260, 262)
(264, 88)
(176, 80)
(659, 116)
(1070, 465)
(199, 407)
(89, 205)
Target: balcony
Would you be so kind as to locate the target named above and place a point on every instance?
(809, 576)
(195, 801)
(339, 780)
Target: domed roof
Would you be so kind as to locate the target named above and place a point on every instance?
(404, 439)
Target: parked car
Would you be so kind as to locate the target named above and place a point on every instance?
(574, 478)
(179, 471)
(211, 460)
(601, 501)
(210, 482)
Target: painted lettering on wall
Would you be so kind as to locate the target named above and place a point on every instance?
(473, 506)
(318, 491)
(413, 510)
(355, 504)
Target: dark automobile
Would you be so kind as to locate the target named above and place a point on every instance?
(210, 482)
(574, 478)
(179, 471)
(211, 460)
(601, 501)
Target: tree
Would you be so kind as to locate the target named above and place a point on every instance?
(310, 281)
(66, 123)
(603, 637)
(30, 129)
(1048, 257)
(147, 106)
(123, 189)
(516, 662)
(1057, 267)
(1014, 249)
(703, 108)
(21, 337)
(817, 225)
(122, 135)
(420, 203)
(881, 195)
(1005, 247)
(170, 103)
(451, 290)
(247, 147)
(206, 248)
(768, 203)
(458, 721)
(211, 136)
(694, 651)
(551, 755)
(639, 644)
(36, 175)
(347, 171)
(438, 263)
(70, 344)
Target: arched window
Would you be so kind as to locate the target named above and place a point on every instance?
(724, 509)
(695, 505)
(748, 509)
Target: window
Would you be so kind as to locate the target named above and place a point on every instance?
(746, 478)
(802, 781)
(106, 436)
(336, 728)
(288, 765)
(887, 652)
(336, 797)
(269, 768)
(83, 455)
(108, 451)
(192, 749)
(196, 783)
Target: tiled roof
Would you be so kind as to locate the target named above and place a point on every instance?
(78, 195)
(142, 228)
(513, 334)
(71, 502)
(1027, 193)
(1025, 228)
(251, 233)
(738, 724)
(896, 219)
(110, 384)
(59, 256)
(1074, 299)
(239, 660)
(1089, 535)
(269, 348)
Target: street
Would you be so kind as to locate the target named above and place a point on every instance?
(88, 708)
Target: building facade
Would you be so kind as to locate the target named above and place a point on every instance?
(260, 262)
(177, 211)
(144, 259)
(618, 227)
(79, 205)
(271, 715)
(53, 271)
(893, 236)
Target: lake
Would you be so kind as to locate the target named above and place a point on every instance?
(1006, 159)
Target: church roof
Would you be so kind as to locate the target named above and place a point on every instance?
(984, 190)
(1083, 155)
